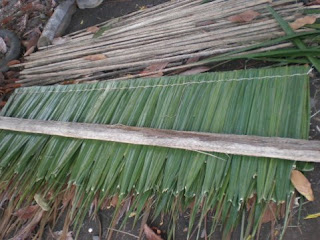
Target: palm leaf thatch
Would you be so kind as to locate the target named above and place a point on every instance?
(74, 173)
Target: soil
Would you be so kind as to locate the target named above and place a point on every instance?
(108, 9)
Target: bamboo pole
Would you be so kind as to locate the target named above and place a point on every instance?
(271, 147)
(170, 33)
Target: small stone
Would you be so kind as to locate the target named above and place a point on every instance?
(88, 3)
(90, 230)
(95, 238)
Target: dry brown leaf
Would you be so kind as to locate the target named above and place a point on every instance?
(246, 16)
(273, 211)
(192, 60)
(156, 67)
(300, 22)
(114, 201)
(3, 46)
(150, 234)
(95, 57)
(93, 29)
(26, 212)
(13, 62)
(29, 51)
(302, 184)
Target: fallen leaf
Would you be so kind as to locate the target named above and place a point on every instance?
(272, 212)
(195, 70)
(154, 70)
(150, 234)
(302, 184)
(95, 57)
(311, 216)
(13, 62)
(114, 201)
(26, 212)
(192, 60)
(3, 46)
(246, 16)
(300, 22)
(41, 202)
(29, 51)
(93, 29)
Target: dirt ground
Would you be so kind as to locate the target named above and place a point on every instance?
(297, 229)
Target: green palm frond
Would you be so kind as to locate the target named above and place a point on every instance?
(264, 102)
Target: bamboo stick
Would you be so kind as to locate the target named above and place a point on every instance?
(271, 147)
(169, 33)
(297, 6)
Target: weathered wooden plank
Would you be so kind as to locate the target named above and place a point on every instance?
(284, 148)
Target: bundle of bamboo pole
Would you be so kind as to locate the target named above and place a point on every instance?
(170, 33)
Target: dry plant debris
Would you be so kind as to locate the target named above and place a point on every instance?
(300, 22)
(183, 30)
(244, 17)
(302, 184)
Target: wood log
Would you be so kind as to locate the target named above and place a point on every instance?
(272, 147)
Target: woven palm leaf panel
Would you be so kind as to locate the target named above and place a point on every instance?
(263, 102)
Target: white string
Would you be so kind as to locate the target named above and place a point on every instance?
(166, 85)
(315, 114)
(310, 71)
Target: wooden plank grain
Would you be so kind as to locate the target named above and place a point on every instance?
(272, 147)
